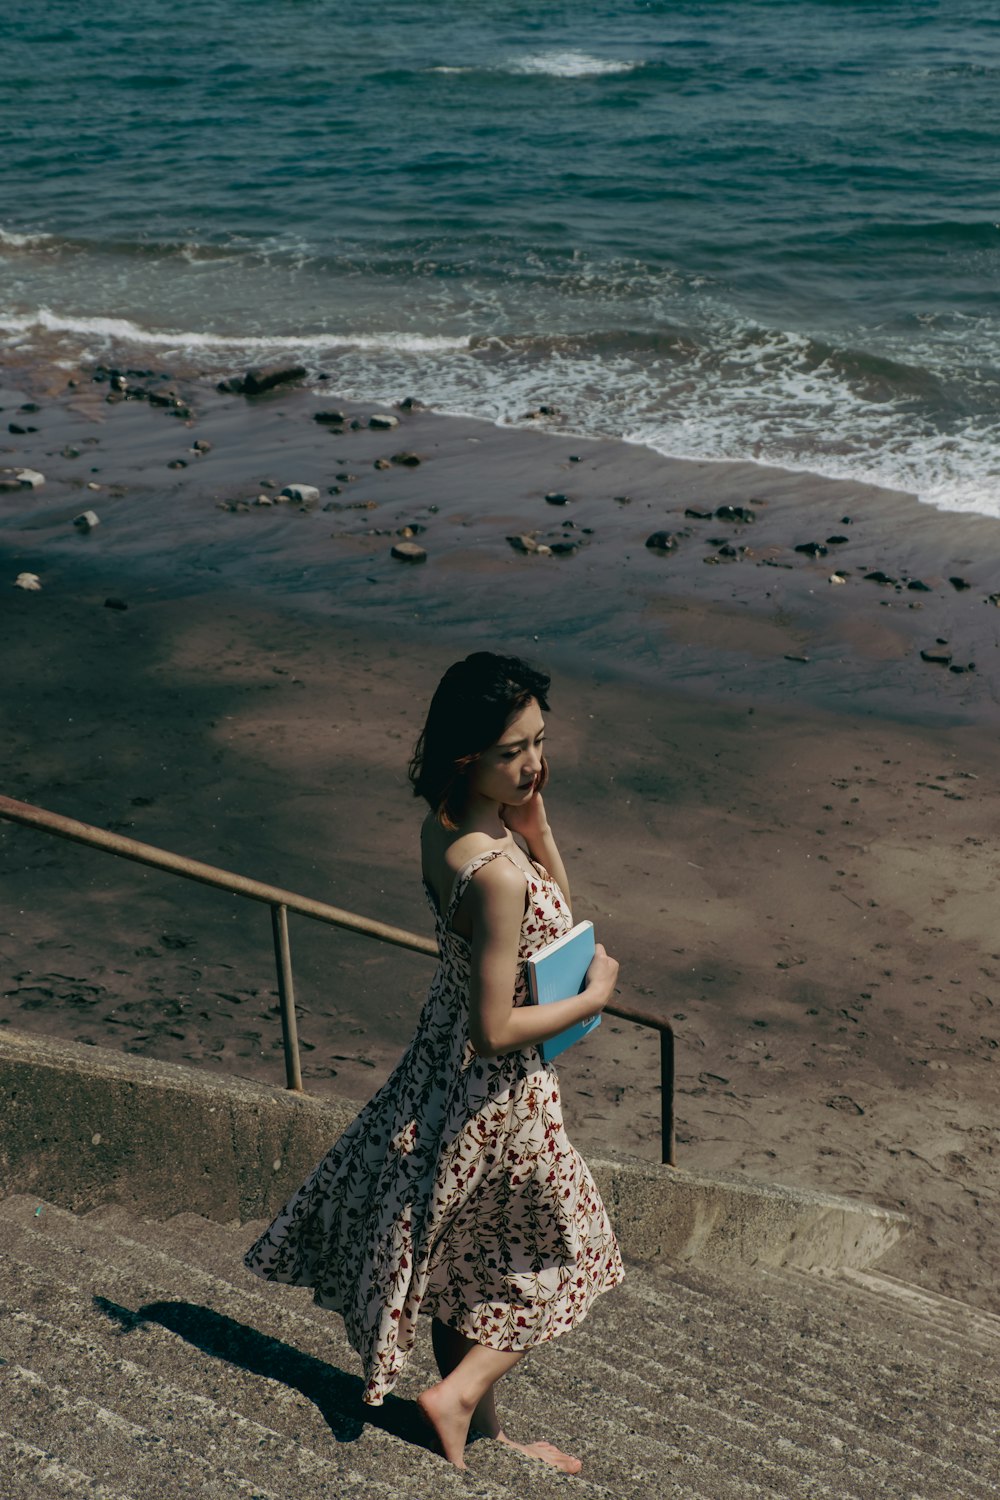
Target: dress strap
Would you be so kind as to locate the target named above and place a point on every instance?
(466, 873)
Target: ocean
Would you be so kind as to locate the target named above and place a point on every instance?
(763, 229)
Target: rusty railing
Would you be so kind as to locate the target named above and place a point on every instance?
(281, 903)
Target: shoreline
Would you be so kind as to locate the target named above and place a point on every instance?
(787, 855)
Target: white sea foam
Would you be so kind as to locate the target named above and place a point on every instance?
(569, 65)
(123, 330)
(11, 240)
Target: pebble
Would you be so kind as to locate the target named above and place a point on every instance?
(812, 549)
(741, 513)
(29, 479)
(330, 418)
(28, 581)
(86, 520)
(383, 421)
(409, 552)
(264, 500)
(527, 543)
(837, 578)
(177, 463)
(382, 463)
(406, 460)
(201, 446)
(116, 604)
(305, 494)
(556, 497)
(663, 542)
(698, 515)
(937, 655)
(918, 586)
(960, 583)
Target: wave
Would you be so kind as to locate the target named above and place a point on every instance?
(11, 240)
(568, 65)
(123, 330)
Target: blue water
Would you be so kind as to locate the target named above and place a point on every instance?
(756, 228)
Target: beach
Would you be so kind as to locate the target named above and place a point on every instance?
(774, 809)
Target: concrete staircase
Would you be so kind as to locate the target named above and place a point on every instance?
(138, 1359)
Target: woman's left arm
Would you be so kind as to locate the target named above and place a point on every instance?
(531, 822)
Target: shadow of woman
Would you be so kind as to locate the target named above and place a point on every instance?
(335, 1394)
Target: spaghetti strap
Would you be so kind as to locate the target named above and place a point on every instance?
(466, 873)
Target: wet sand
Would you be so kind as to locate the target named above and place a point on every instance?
(777, 814)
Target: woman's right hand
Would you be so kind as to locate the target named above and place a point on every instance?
(601, 977)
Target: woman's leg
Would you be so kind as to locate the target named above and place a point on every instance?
(465, 1398)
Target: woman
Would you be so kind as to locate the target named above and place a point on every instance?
(456, 1192)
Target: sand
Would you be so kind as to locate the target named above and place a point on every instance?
(775, 811)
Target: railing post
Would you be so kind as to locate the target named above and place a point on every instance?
(286, 995)
(667, 1139)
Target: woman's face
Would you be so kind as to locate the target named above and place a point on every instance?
(508, 771)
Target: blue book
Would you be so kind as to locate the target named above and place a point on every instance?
(557, 972)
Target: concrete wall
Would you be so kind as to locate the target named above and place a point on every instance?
(82, 1126)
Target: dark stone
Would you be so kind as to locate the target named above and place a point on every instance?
(556, 497)
(526, 543)
(879, 577)
(698, 515)
(792, 656)
(18, 430)
(116, 604)
(740, 513)
(919, 587)
(960, 583)
(812, 549)
(382, 463)
(406, 460)
(937, 656)
(623, 499)
(835, 541)
(202, 446)
(330, 418)
(663, 542)
(565, 548)
(30, 406)
(410, 403)
(265, 377)
(177, 463)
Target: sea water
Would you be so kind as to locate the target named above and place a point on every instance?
(760, 229)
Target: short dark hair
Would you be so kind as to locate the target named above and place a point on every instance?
(472, 706)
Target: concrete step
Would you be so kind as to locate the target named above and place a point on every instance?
(135, 1344)
(701, 1406)
(110, 1295)
(27, 1470)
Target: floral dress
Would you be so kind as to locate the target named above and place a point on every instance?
(456, 1191)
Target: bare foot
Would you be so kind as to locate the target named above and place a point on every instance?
(450, 1420)
(548, 1453)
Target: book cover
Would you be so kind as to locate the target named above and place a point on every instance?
(556, 972)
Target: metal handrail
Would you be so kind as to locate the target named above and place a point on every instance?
(281, 903)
